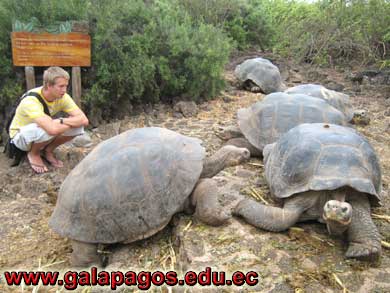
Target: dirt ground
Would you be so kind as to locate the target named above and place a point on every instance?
(303, 259)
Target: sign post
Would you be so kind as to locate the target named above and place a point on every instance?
(45, 49)
(30, 77)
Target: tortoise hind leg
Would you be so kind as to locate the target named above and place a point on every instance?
(268, 217)
(207, 208)
(363, 236)
(84, 254)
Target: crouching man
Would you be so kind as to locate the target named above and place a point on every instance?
(33, 129)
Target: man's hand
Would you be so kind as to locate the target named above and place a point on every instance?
(51, 126)
(54, 127)
(76, 118)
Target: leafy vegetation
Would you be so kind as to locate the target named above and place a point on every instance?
(148, 52)
(245, 21)
(155, 50)
(331, 31)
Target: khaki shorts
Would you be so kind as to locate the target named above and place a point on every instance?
(33, 133)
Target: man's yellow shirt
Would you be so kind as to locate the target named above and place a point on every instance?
(31, 108)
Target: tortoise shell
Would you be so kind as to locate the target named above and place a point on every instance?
(322, 156)
(128, 187)
(265, 121)
(261, 72)
(338, 100)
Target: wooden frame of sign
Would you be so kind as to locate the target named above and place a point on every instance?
(44, 49)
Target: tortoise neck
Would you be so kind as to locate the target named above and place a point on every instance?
(214, 164)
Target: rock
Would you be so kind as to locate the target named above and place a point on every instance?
(125, 109)
(70, 156)
(187, 108)
(382, 78)
(370, 72)
(138, 109)
(160, 116)
(148, 108)
(44, 198)
(160, 111)
(315, 76)
(227, 99)
(334, 86)
(366, 80)
(82, 140)
(126, 124)
(356, 88)
(243, 173)
(177, 115)
(205, 107)
(95, 117)
(284, 71)
(260, 182)
(295, 78)
(355, 77)
(308, 265)
(108, 130)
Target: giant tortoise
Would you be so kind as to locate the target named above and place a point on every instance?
(265, 121)
(129, 187)
(259, 75)
(323, 172)
(338, 100)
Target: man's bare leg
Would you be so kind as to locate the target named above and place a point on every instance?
(48, 151)
(34, 157)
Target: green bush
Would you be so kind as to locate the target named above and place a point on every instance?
(142, 51)
(155, 50)
(149, 52)
(46, 12)
(245, 21)
(329, 31)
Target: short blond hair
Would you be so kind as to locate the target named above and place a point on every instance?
(52, 73)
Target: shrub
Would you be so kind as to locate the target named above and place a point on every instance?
(142, 51)
(149, 52)
(245, 21)
(45, 12)
(330, 31)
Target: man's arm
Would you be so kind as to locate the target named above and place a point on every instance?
(51, 126)
(76, 118)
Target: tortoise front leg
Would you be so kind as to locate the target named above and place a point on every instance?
(207, 208)
(84, 254)
(363, 236)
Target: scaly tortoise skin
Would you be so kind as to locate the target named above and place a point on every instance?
(323, 172)
(129, 187)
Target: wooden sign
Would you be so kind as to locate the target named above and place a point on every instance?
(45, 49)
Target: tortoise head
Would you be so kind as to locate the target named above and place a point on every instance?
(234, 155)
(226, 156)
(360, 117)
(337, 215)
